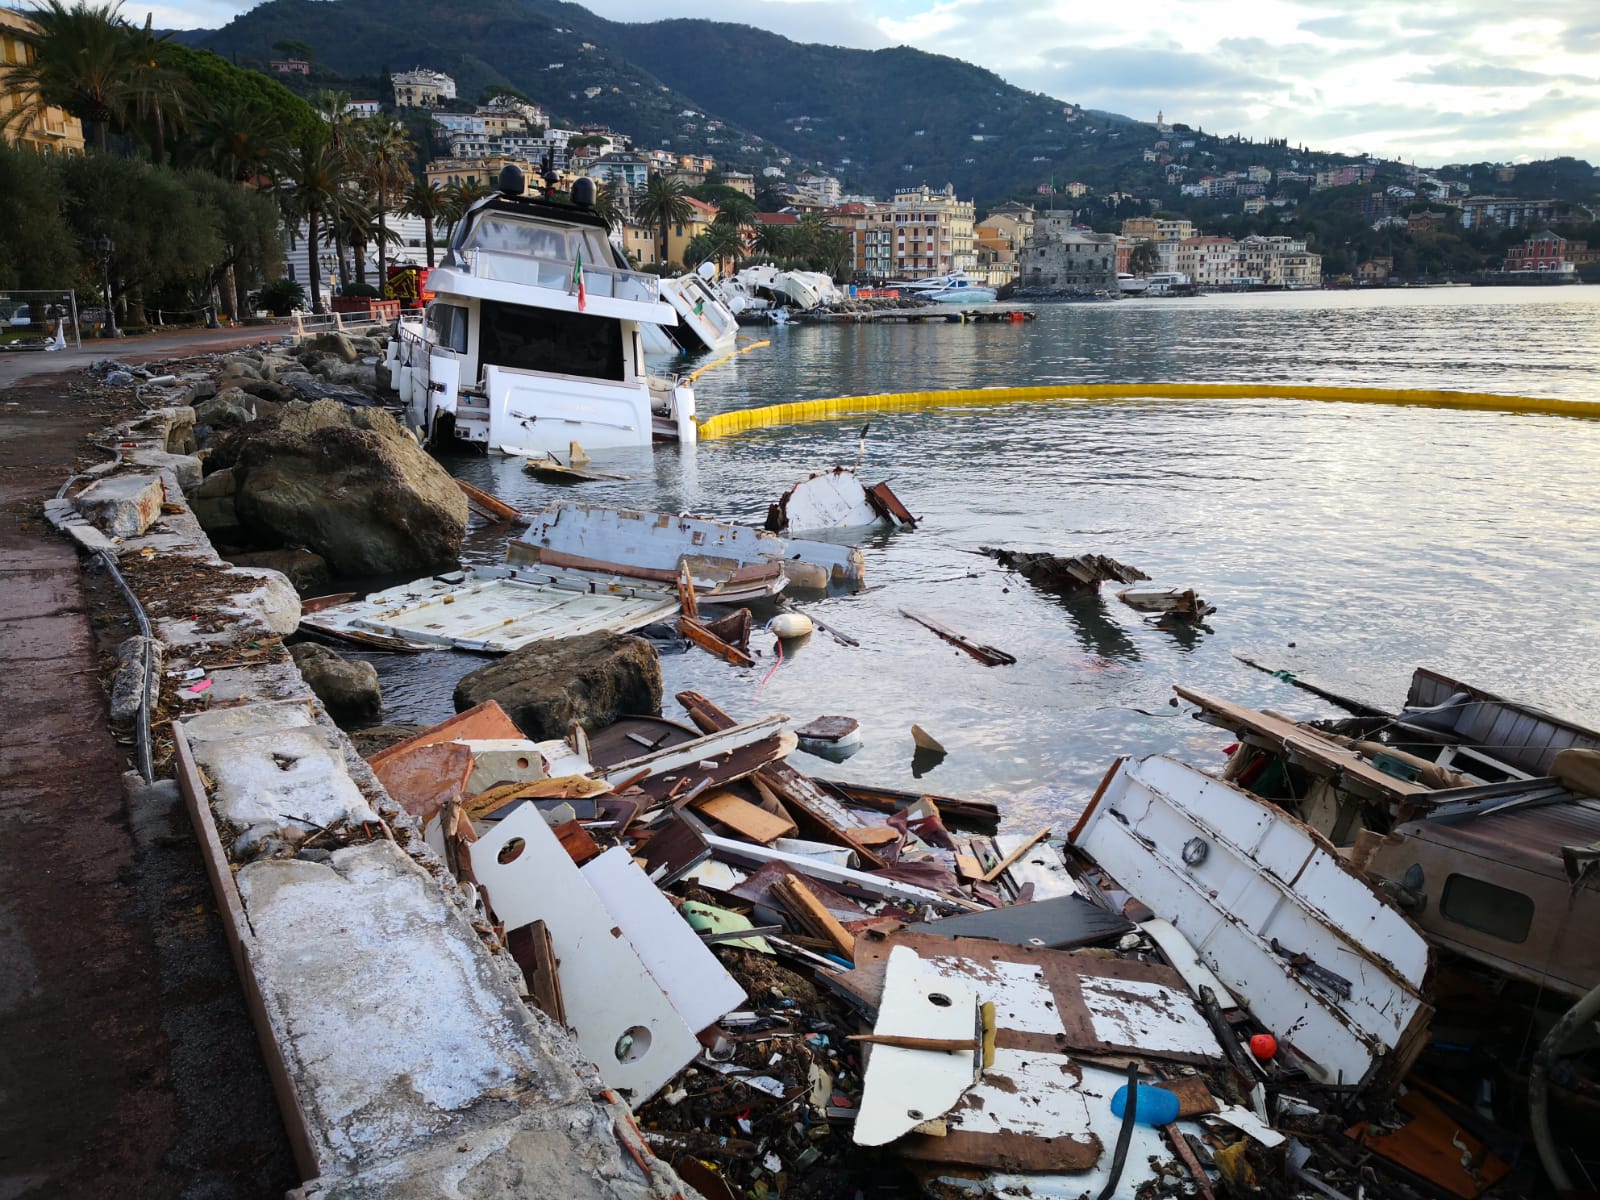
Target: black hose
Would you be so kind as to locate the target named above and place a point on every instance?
(1130, 1111)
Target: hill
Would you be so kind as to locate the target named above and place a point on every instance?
(877, 119)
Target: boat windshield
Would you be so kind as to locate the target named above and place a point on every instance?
(550, 340)
(503, 233)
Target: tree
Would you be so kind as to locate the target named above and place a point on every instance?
(243, 142)
(460, 197)
(606, 205)
(80, 61)
(666, 204)
(737, 214)
(1145, 258)
(156, 92)
(386, 151)
(251, 234)
(425, 200)
(295, 48)
(113, 198)
(774, 241)
(37, 249)
(315, 178)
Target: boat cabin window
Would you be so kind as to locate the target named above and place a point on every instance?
(502, 234)
(1487, 907)
(449, 325)
(545, 339)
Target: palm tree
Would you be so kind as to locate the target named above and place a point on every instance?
(79, 60)
(665, 201)
(774, 241)
(424, 199)
(243, 142)
(460, 197)
(314, 179)
(386, 151)
(723, 242)
(607, 207)
(738, 213)
(156, 92)
(352, 224)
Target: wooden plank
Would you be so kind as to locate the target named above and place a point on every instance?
(530, 947)
(744, 818)
(987, 655)
(492, 505)
(575, 840)
(804, 906)
(701, 636)
(481, 722)
(998, 869)
(826, 816)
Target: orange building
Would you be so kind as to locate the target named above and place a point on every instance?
(48, 130)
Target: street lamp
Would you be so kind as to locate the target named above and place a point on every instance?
(106, 246)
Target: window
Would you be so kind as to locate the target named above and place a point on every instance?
(449, 325)
(542, 339)
(1487, 907)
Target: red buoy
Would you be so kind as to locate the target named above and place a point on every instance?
(1263, 1046)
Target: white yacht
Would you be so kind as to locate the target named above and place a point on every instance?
(956, 288)
(704, 321)
(533, 338)
(1170, 283)
(1131, 285)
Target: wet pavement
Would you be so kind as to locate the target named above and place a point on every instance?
(128, 1065)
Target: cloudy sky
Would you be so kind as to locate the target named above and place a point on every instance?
(1431, 80)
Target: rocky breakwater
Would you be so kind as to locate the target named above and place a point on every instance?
(406, 1061)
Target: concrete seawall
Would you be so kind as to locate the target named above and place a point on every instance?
(405, 1060)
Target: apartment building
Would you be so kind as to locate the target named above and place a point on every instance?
(872, 234)
(1157, 229)
(1511, 213)
(49, 130)
(933, 232)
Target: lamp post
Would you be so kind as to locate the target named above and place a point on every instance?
(106, 246)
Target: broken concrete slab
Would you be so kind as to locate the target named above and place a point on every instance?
(123, 506)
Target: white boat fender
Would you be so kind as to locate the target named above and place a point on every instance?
(790, 625)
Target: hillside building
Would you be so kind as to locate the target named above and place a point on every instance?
(626, 174)
(422, 88)
(289, 66)
(1511, 213)
(1547, 252)
(48, 130)
(1157, 229)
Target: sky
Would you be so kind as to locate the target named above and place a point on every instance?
(1430, 81)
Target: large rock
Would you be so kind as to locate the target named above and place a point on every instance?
(353, 486)
(123, 506)
(307, 571)
(263, 389)
(348, 689)
(336, 344)
(228, 409)
(593, 680)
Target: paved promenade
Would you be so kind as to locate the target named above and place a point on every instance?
(119, 1004)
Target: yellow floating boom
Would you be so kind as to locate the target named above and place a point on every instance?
(802, 411)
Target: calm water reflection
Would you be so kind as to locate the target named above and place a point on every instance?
(1348, 541)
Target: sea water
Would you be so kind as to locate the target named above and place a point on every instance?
(1351, 542)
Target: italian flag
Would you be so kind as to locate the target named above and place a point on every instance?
(577, 282)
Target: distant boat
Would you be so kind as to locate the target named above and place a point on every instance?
(1131, 285)
(1170, 283)
(955, 288)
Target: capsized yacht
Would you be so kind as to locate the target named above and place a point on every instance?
(533, 338)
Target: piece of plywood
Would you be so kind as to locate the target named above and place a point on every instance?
(626, 1024)
(1059, 923)
(423, 778)
(901, 1087)
(698, 986)
(486, 720)
(1039, 865)
(744, 818)
(575, 840)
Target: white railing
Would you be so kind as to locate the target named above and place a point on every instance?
(309, 324)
